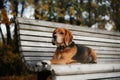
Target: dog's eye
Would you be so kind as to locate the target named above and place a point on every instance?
(61, 33)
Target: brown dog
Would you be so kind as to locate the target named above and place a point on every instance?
(69, 52)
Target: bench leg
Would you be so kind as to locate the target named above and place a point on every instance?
(44, 75)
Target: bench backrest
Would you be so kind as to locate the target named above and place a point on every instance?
(35, 41)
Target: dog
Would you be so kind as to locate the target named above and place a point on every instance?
(67, 51)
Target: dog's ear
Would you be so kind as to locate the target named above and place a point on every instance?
(68, 37)
(53, 41)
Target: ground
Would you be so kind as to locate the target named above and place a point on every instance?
(22, 77)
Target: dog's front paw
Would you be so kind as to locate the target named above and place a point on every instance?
(39, 64)
(46, 62)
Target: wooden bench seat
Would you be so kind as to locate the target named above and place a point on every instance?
(35, 45)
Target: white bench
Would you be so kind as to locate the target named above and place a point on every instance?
(35, 45)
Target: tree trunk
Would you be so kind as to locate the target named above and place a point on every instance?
(89, 11)
(1, 4)
(3, 39)
(81, 2)
(16, 7)
(9, 39)
(36, 11)
(23, 2)
(16, 49)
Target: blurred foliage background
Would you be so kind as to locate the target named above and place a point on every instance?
(103, 14)
(10, 62)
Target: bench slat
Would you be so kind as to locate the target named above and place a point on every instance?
(106, 52)
(96, 76)
(36, 44)
(105, 48)
(37, 49)
(109, 56)
(95, 35)
(35, 28)
(37, 58)
(108, 60)
(35, 38)
(96, 39)
(35, 33)
(36, 54)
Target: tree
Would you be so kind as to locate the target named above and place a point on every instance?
(14, 7)
(115, 12)
(4, 19)
(1, 6)
(2, 36)
(15, 14)
(90, 14)
(23, 3)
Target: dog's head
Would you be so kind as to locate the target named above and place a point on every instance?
(62, 37)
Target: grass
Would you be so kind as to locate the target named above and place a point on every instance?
(22, 77)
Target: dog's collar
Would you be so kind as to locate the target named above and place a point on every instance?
(63, 47)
